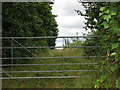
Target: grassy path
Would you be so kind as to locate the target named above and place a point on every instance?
(87, 82)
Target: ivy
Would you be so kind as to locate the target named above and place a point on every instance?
(111, 24)
(107, 16)
(102, 8)
(113, 13)
(105, 24)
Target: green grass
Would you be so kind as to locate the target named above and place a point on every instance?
(87, 82)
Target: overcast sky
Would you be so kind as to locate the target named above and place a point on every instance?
(67, 19)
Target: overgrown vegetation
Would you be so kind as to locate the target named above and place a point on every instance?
(104, 19)
(27, 19)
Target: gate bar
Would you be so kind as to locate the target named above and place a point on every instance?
(45, 77)
(49, 71)
(48, 64)
(51, 47)
(50, 37)
(54, 57)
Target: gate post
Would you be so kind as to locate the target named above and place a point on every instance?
(1, 44)
(11, 56)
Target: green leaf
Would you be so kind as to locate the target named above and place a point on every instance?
(102, 8)
(113, 13)
(105, 24)
(107, 17)
(118, 83)
(97, 84)
(114, 45)
(107, 11)
(100, 14)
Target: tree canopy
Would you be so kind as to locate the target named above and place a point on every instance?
(28, 19)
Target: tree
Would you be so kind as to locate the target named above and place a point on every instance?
(27, 19)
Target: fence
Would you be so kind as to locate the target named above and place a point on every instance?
(44, 63)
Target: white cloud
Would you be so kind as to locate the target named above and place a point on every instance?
(70, 21)
(66, 7)
(67, 19)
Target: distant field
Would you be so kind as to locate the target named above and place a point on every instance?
(87, 82)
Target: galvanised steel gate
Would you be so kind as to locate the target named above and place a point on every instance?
(43, 62)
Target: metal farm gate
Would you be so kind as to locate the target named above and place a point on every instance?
(50, 66)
